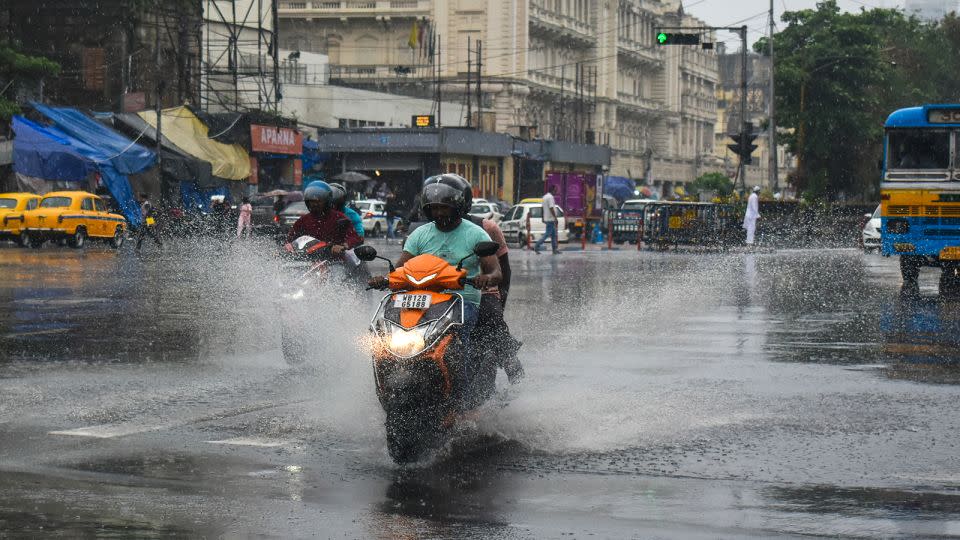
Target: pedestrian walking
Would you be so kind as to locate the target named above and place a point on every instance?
(245, 221)
(149, 225)
(550, 219)
(391, 209)
(752, 215)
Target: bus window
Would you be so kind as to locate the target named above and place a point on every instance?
(918, 149)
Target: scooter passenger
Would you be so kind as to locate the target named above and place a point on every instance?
(322, 221)
(445, 200)
(340, 203)
(492, 333)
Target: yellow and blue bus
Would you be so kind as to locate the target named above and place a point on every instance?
(920, 192)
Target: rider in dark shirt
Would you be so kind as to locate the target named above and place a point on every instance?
(323, 222)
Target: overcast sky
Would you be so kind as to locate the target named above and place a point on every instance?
(753, 13)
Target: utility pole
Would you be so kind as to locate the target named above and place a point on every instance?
(479, 91)
(275, 12)
(469, 85)
(743, 104)
(439, 91)
(772, 124)
(158, 106)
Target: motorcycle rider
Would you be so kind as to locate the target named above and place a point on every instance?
(322, 222)
(445, 199)
(340, 203)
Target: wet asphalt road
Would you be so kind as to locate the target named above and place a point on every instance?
(786, 393)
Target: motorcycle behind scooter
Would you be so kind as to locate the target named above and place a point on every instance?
(416, 348)
(309, 270)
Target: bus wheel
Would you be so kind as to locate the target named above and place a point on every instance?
(909, 270)
(950, 281)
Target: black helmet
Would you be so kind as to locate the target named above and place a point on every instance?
(448, 189)
(318, 190)
(339, 195)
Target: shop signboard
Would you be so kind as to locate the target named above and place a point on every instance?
(275, 140)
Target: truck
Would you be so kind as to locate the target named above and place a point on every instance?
(580, 194)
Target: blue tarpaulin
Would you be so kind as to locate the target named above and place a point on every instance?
(110, 153)
(125, 155)
(48, 153)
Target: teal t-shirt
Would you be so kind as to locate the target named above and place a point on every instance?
(354, 218)
(451, 247)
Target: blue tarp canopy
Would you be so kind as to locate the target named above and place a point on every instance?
(48, 153)
(112, 154)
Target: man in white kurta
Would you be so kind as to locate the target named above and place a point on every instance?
(753, 213)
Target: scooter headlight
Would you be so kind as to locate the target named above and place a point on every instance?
(403, 342)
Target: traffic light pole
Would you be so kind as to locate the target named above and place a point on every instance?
(684, 37)
(742, 173)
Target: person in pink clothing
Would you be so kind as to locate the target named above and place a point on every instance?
(245, 220)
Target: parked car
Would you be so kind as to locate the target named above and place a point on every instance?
(374, 216)
(486, 210)
(12, 207)
(514, 223)
(74, 216)
(263, 219)
(291, 214)
(871, 231)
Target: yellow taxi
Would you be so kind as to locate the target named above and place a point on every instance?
(12, 206)
(74, 216)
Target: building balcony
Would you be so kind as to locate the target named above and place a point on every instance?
(639, 52)
(555, 82)
(636, 102)
(379, 73)
(555, 25)
(355, 8)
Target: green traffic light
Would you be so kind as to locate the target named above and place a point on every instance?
(661, 38)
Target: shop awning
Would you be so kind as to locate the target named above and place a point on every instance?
(177, 163)
(50, 153)
(187, 132)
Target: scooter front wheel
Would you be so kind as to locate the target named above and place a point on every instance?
(412, 432)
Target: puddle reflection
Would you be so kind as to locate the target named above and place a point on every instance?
(921, 336)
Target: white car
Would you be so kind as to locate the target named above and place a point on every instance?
(514, 224)
(486, 210)
(871, 231)
(374, 215)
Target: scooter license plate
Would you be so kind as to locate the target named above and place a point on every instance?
(412, 301)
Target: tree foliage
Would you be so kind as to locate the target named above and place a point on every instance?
(713, 181)
(17, 68)
(839, 75)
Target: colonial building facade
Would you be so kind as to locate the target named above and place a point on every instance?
(583, 71)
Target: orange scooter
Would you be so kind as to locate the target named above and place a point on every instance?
(416, 349)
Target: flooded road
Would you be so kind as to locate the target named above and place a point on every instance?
(789, 393)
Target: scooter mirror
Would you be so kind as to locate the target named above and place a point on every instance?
(486, 249)
(365, 253)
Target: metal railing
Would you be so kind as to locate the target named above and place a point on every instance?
(661, 224)
(379, 71)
